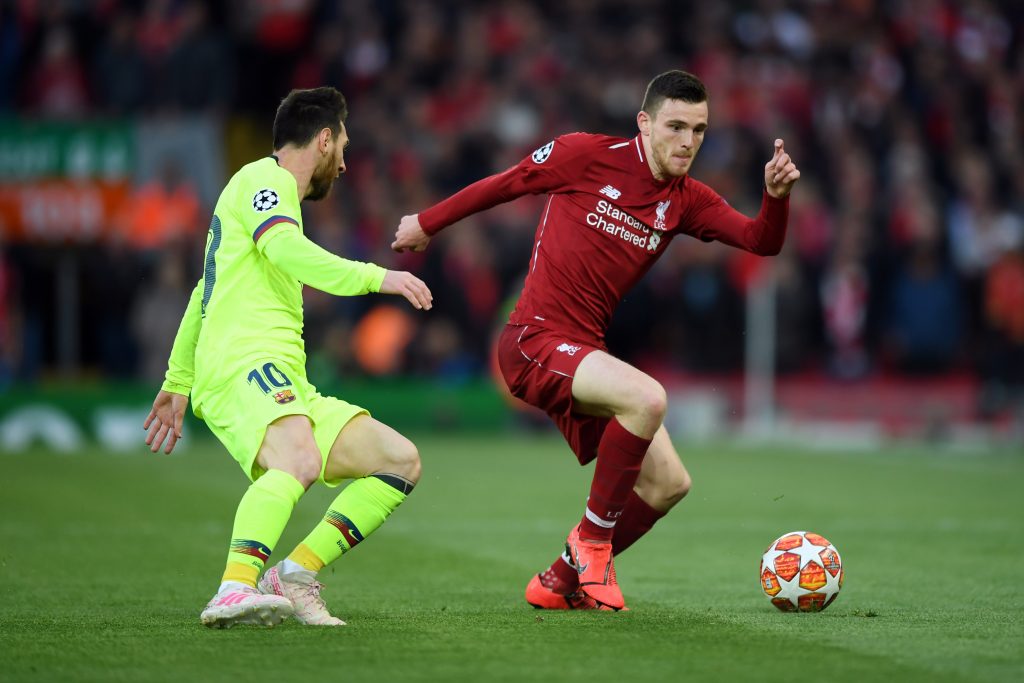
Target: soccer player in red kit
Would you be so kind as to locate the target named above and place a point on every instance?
(613, 206)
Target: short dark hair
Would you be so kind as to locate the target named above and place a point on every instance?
(304, 113)
(673, 85)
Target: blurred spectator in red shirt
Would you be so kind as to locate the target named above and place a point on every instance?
(56, 87)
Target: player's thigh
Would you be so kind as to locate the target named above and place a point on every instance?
(538, 366)
(288, 445)
(663, 479)
(605, 386)
(366, 446)
(242, 411)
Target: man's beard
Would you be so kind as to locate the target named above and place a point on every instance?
(664, 159)
(320, 184)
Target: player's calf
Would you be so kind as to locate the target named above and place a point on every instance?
(665, 493)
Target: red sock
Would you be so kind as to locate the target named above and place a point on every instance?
(637, 519)
(619, 456)
(561, 577)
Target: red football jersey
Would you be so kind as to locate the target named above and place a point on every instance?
(606, 222)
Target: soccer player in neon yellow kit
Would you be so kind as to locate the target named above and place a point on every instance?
(239, 354)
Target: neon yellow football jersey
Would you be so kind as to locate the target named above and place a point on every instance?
(248, 304)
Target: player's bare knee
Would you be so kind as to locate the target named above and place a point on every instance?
(305, 465)
(404, 460)
(656, 402)
(649, 404)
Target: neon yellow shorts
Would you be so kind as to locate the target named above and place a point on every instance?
(239, 412)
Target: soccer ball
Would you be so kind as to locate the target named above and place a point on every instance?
(801, 571)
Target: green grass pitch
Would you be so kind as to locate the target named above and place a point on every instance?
(106, 561)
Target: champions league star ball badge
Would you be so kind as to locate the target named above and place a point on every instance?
(264, 200)
(541, 154)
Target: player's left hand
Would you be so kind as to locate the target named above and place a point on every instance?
(408, 285)
(780, 173)
(165, 420)
(410, 235)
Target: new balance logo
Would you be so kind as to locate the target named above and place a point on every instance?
(610, 192)
(568, 348)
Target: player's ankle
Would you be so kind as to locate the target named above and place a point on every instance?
(594, 533)
(557, 584)
(293, 571)
(226, 586)
(565, 572)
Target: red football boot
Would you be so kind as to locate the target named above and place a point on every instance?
(593, 561)
(546, 597)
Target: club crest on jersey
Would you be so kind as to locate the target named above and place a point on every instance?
(265, 200)
(285, 396)
(659, 215)
(542, 153)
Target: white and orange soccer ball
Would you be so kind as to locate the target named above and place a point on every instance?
(802, 572)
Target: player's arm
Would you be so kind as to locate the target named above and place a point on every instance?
(414, 232)
(312, 265)
(764, 234)
(548, 169)
(165, 418)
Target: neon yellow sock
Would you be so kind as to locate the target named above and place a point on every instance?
(355, 514)
(262, 515)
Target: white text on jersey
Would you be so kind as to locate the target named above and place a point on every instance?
(625, 229)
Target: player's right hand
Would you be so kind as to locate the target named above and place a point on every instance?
(409, 286)
(410, 235)
(165, 420)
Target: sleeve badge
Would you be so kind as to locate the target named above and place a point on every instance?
(265, 200)
(542, 153)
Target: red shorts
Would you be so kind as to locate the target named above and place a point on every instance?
(538, 366)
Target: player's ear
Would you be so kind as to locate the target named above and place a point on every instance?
(324, 140)
(643, 122)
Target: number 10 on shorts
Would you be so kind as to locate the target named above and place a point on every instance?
(271, 380)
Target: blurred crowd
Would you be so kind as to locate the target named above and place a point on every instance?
(905, 252)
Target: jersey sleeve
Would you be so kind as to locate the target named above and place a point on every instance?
(710, 218)
(313, 265)
(551, 168)
(267, 204)
(181, 365)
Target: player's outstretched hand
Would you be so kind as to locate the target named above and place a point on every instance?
(164, 420)
(410, 235)
(780, 173)
(409, 286)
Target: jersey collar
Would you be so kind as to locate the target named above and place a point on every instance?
(639, 149)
